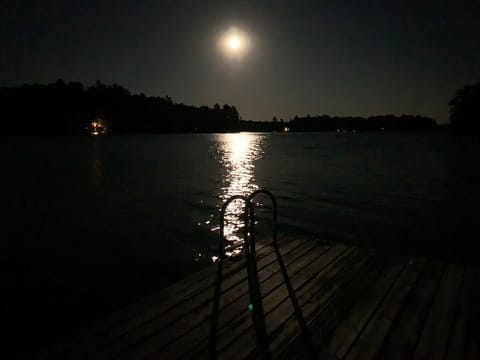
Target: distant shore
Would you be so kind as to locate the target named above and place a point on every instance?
(71, 109)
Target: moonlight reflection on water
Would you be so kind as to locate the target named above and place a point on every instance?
(238, 153)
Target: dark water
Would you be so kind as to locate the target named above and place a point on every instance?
(90, 224)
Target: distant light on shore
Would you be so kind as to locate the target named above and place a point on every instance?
(98, 127)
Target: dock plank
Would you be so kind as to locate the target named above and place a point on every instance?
(433, 341)
(371, 339)
(404, 333)
(464, 339)
(161, 325)
(140, 310)
(325, 289)
(226, 335)
(347, 332)
(358, 303)
(105, 330)
(331, 262)
(328, 308)
(235, 300)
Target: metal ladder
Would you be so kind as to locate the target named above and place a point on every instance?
(256, 304)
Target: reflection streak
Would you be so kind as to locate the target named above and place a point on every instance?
(238, 153)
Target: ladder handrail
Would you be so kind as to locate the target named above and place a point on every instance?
(218, 282)
(274, 211)
(252, 273)
(252, 276)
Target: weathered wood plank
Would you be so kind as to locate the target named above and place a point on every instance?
(276, 283)
(232, 305)
(358, 304)
(347, 332)
(144, 310)
(103, 327)
(371, 339)
(465, 332)
(162, 325)
(328, 315)
(433, 341)
(405, 331)
(327, 287)
(232, 324)
(277, 306)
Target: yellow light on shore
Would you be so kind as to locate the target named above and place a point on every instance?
(98, 127)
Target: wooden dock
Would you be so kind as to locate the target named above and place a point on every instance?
(358, 304)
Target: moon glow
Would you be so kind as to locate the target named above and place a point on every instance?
(234, 43)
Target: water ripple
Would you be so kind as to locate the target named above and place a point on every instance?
(237, 154)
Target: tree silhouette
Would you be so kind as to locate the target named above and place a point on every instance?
(60, 108)
(465, 108)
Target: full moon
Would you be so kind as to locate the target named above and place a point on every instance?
(234, 43)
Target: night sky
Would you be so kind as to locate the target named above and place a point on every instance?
(306, 57)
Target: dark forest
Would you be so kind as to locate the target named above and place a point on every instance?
(62, 108)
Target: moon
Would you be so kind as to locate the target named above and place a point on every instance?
(234, 43)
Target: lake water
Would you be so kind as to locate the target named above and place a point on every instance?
(90, 224)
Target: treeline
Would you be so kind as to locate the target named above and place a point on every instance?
(356, 123)
(347, 123)
(70, 108)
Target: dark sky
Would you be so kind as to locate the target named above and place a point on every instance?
(318, 57)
